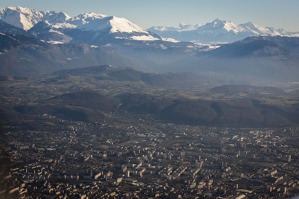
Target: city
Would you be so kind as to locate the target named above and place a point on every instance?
(136, 158)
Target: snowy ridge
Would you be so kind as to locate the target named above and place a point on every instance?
(98, 22)
(26, 18)
(217, 31)
(58, 27)
(226, 25)
(20, 17)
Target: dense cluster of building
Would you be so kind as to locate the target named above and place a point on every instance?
(133, 157)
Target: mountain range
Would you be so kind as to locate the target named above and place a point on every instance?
(98, 29)
(34, 43)
(37, 42)
(218, 31)
(58, 27)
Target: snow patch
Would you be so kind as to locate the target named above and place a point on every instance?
(144, 38)
(55, 42)
(64, 25)
(25, 59)
(170, 40)
(213, 47)
(229, 26)
(55, 31)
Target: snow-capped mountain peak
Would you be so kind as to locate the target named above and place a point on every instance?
(26, 18)
(124, 25)
(55, 17)
(99, 22)
(226, 25)
(20, 17)
(217, 22)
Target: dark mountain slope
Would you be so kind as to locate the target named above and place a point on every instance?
(284, 47)
(27, 56)
(108, 72)
(215, 113)
(78, 106)
(86, 99)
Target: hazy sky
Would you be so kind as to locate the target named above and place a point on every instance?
(146, 13)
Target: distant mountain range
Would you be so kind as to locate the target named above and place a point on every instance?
(99, 29)
(218, 31)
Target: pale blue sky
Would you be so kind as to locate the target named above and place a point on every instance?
(146, 13)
